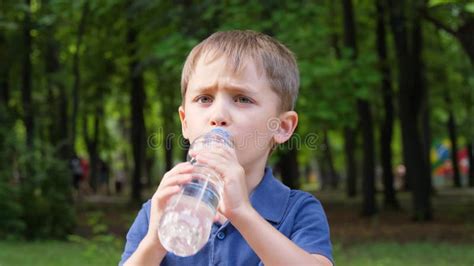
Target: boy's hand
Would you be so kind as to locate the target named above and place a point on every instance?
(223, 160)
(169, 186)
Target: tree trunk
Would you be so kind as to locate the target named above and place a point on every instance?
(349, 133)
(422, 103)
(4, 89)
(369, 207)
(349, 27)
(77, 74)
(464, 35)
(50, 128)
(333, 176)
(365, 116)
(168, 98)
(28, 116)
(454, 144)
(409, 102)
(422, 187)
(426, 137)
(150, 161)
(334, 42)
(65, 148)
(349, 149)
(4, 72)
(137, 102)
(288, 166)
(470, 155)
(323, 174)
(386, 130)
(168, 150)
(93, 146)
(59, 105)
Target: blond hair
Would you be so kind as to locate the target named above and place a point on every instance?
(278, 62)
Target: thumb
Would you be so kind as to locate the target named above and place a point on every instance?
(216, 217)
(219, 217)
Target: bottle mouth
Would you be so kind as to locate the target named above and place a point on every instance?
(223, 136)
(217, 136)
(222, 132)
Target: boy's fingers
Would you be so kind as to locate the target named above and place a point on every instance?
(169, 191)
(181, 168)
(212, 160)
(178, 179)
(165, 195)
(223, 151)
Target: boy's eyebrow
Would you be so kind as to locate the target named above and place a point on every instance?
(230, 87)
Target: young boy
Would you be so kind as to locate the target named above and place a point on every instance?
(246, 82)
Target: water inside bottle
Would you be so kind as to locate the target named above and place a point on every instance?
(185, 229)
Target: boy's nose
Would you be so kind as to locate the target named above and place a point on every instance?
(218, 119)
(220, 115)
(218, 123)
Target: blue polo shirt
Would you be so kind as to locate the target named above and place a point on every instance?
(296, 214)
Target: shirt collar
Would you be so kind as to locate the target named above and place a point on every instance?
(270, 197)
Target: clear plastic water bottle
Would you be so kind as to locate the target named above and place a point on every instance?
(186, 222)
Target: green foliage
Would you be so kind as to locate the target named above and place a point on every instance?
(11, 224)
(101, 243)
(45, 194)
(451, 80)
(440, 2)
(35, 189)
(465, 4)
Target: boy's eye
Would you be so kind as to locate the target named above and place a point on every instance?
(242, 99)
(204, 99)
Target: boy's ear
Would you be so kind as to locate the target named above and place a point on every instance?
(184, 124)
(288, 123)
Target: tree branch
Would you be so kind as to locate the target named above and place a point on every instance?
(438, 24)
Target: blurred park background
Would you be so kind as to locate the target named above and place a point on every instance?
(89, 91)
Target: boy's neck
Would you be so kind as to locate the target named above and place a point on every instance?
(254, 174)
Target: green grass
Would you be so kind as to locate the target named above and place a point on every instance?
(419, 253)
(53, 253)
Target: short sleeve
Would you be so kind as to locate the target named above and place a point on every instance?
(310, 227)
(137, 232)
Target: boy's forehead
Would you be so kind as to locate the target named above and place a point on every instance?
(235, 64)
(211, 68)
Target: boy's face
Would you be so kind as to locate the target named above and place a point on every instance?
(243, 103)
